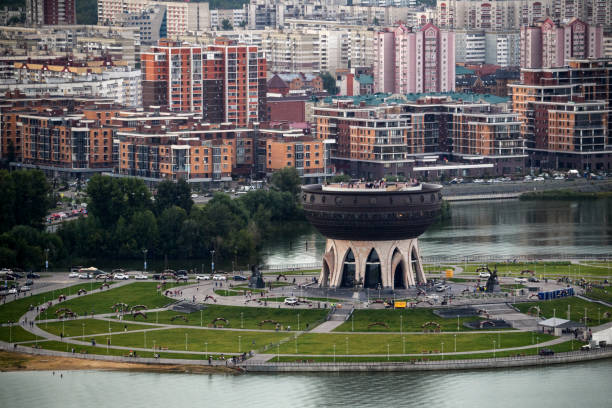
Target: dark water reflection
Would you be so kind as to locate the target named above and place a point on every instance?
(585, 384)
(504, 228)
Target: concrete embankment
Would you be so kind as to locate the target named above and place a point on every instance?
(490, 363)
(475, 191)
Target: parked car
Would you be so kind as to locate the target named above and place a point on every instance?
(533, 279)
(538, 179)
(240, 278)
(24, 288)
(442, 288)
(29, 283)
(12, 291)
(291, 301)
(32, 275)
(520, 280)
(546, 352)
(484, 274)
(121, 276)
(203, 277)
(84, 276)
(181, 272)
(194, 195)
(219, 277)
(73, 275)
(141, 276)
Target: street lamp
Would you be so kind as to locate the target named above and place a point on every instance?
(346, 339)
(241, 321)
(387, 351)
(442, 350)
(212, 261)
(334, 353)
(455, 343)
(206, 348)
(144, 251)
(403, 345)
(538, 345)
(46, 260)
(239, 344)
(493, 348)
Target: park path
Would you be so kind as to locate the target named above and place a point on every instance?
(327, 327)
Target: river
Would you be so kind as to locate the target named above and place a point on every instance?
(583, 384)
(503, 228)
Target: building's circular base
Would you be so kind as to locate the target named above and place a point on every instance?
(372, 264)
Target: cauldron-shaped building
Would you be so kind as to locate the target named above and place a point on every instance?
(372, 231)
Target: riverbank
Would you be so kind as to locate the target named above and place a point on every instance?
(471, 191)
(23, 361)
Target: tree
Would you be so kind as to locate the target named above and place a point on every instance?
(111, 198)
(32, 197)
(329, 83)
(170, 193)
(287, 179)
(170, 223)
(7, 201)
(226, 25)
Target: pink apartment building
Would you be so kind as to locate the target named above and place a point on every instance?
(547, 45)
(418, 61)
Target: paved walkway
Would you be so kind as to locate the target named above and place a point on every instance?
(327, 327)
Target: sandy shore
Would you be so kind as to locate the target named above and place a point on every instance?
(27, 362)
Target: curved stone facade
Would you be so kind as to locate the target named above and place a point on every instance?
(396, 264)
(371, 214)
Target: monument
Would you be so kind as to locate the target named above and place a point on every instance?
(372, 231)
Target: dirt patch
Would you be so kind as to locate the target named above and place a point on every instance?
(27, 362)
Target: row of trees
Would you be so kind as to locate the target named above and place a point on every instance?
(125, 218)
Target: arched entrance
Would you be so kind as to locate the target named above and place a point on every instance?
(325, 276)
(348, 271)
(415, 264)
(399, 274)
(373, 276)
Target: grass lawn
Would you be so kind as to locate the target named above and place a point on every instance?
(305, 272)
(558, 307)
(228, 292)
(223, 341)
(92, 326)
(559, 348)
(141, 293)
(544, 268)
(411, 321)
(601, 294)
(250, 317)
(16, 334)
(64, 346)
(15, 309)
(319, 343)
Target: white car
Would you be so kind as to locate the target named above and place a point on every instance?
(84, 276)
(121, 276)
(141, 276)
(219, 277)
(203, 277)
(479, 181)
(24, 288)
(442, 288)
(12, 291)
(538, 179)
(73, 275)
(520, 280)
(194, 195)
(484, 274)
(291, 301)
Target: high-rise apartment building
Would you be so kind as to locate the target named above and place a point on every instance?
(50, 12)
(547, 45)
(415, 61)
(225, 81)
(565, 114)
(512, 14)
(180, 16)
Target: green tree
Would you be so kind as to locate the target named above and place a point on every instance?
(111, 198)
(170, 193)
(170, 223)
(32, 197)
(7, 201)
(329, 83)
(287, 179)
(226, 25)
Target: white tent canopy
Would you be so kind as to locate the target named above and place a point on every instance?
(553, 322)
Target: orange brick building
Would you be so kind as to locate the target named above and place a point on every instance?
(225, 81)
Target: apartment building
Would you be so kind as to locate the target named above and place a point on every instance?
(152, 23)
(415, 61)
(391, 135)
(50, 12)
(548, 45)
(225, 81)
(565, 114)
(180, 16)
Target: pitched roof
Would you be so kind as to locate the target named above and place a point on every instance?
(277, 82)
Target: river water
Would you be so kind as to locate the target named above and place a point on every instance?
(503, 228)
(584, 384)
